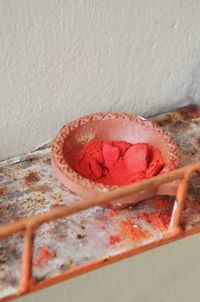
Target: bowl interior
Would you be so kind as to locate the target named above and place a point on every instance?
(114, 129)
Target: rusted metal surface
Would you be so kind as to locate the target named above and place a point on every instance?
(96, 236)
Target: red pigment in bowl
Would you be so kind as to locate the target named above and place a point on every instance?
(118, 162)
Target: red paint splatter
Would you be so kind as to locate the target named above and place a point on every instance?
(114, 239)
(45, 253)
(31, 177)
(132, 231)
(27, 182)
(43, 257)
(2, 191)
(158, 221)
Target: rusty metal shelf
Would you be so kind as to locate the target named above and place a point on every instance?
(65, 247)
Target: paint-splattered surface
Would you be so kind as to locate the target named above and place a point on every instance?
(28, 187)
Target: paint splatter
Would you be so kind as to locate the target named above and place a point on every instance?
(158, 221)
(31, 177)
(2, 190)
(43, 257)
(131, 231)
(114, 239)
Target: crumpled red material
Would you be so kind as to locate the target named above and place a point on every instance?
(118, 162)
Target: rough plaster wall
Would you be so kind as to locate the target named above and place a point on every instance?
(61, 59)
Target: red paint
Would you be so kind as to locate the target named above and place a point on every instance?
(43, 257)
(27, 182)
(2, 191)
(158, 221)
(31, 177)
(114, 239)
(132, 231)
(118, 162)
(45, 253)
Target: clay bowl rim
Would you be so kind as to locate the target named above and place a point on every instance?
(61, 164)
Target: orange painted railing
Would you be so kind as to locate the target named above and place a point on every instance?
(28, 226)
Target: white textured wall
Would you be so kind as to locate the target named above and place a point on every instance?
(60, 59)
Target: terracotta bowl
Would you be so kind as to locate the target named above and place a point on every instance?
(109, 126)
